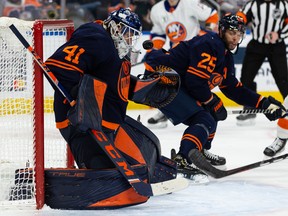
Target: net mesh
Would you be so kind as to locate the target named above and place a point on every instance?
(17, 155)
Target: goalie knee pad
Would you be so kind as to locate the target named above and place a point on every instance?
(141, 146)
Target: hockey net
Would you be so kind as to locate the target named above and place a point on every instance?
(29, 140)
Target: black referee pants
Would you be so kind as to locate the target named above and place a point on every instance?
(254, 57)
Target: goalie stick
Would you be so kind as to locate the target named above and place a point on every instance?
(199, 160)
(142, 188)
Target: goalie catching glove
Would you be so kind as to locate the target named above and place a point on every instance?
(277, 110)
(156, 90)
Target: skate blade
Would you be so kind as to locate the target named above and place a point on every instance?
(159, 125)
(195, 179)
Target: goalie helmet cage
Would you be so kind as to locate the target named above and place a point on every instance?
(29, 140)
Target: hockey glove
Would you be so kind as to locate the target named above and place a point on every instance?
(216, 108)
(277, 110)
(156, 90)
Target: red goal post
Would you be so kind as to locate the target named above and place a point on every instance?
(29, 140)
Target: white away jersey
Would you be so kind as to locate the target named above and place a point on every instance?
(182, 23)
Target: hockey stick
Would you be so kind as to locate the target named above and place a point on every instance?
(199, 160)
(119, 161)
(249, 111)
(44, 67)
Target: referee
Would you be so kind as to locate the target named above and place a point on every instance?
(268, 20)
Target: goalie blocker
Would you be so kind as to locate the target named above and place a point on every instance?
(107, 188)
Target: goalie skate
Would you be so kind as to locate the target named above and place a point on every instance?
(187, 170)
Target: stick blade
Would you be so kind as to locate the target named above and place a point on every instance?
(169, 186)
(200, 161)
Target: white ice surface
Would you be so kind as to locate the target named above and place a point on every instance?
(258, 192)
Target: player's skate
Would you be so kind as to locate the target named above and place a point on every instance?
(213, 159)
(188, 170)
(276, 147)
(158, 121)
(246, 120)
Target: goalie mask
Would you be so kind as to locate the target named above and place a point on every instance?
(125, 29)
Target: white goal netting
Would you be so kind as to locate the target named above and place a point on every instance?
(17, 113)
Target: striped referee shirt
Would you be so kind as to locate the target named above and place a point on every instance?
(266, 16)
